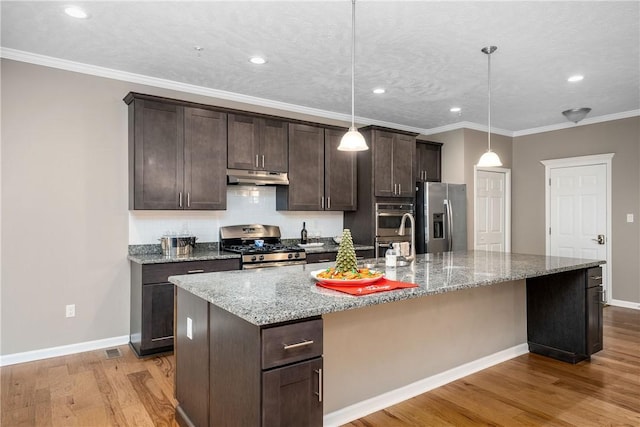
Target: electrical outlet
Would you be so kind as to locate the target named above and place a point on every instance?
(629, 217)
(71, 310)
(189, 328)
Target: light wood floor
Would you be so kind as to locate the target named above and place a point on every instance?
(87, 389)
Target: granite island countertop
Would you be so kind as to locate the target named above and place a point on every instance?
(272, 295)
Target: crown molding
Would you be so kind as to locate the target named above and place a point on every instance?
(467, 125)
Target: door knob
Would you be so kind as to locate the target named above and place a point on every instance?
(600, 239)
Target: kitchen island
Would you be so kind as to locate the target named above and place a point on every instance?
(348, 356)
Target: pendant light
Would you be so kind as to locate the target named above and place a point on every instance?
(353, 140)
(489, 159)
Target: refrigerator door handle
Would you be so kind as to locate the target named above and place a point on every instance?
(449, 224)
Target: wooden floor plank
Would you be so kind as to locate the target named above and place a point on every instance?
(531, 390)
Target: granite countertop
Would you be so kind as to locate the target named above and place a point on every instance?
(152, 254)
(272, 295)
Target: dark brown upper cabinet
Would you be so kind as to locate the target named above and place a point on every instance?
(257, 143)
(393, 155)
(428, 161)
(176, 156)
(320, 176)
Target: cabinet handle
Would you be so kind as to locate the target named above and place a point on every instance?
(188, 199)
(319, 392)
(256, 160)
(321, 202)
(328, 202)
(324, 260)
(180, 199)
(298, 344)
(595, 277)
(263, 161)
(168, 337)
(399, 189)
(195, 271)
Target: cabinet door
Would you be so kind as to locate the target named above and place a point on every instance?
(157, 316)
(274, 153)
(402, 163)
(382, 152)
(340, 174)
(428, 162)
(243, 144)
(157, 145)
(205, 151)
(306, 168)
(292, 396)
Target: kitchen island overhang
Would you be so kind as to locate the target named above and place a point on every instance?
(468, 306)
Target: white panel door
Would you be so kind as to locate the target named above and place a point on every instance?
(490, 211)
(578, 211)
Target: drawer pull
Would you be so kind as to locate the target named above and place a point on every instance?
(298, 344)
(195, 271)
(596, 277)
(319, 392)
(324, 260)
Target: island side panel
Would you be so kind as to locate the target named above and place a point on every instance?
(235, 370)
(374, 350)
(556, 315)
(192, 356)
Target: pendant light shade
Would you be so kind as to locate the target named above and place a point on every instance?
(353, 140)
(489, 159)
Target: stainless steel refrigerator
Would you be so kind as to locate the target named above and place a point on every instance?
(441, 217)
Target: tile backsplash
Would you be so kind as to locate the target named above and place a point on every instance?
(245, 205)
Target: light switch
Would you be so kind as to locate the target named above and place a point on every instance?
(629, 217)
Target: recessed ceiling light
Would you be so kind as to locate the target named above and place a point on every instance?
(76, 12)
(575, 78)
(455, 109)
(379, 90)
(257, 60)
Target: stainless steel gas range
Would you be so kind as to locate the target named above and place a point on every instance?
(260, 246)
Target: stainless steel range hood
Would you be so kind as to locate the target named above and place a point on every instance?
(239, 176)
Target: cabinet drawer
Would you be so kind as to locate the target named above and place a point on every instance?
(158, 273)
(290, 343)
(594, 277)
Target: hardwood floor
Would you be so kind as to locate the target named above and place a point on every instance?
(87, 389)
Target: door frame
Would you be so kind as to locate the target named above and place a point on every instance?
(507, 203)
(569, 162)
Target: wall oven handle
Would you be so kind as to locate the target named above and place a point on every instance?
(449, 224)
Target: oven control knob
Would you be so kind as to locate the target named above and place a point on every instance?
(261, 257)
(290, 256)
(253, 258)
(297, 254)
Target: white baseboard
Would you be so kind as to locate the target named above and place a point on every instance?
(624, 304)
(366, 407)
(45, 353)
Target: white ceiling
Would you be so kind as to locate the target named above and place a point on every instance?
(425, 53)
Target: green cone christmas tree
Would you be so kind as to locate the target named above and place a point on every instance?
(346, 259)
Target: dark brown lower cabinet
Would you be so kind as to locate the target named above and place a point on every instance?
(152, 298)
(564, 314)
(292, 395)
(230, 372)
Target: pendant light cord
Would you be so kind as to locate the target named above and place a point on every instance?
(489, 105)
(353, 63)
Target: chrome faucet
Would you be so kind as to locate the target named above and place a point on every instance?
(401, 231)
